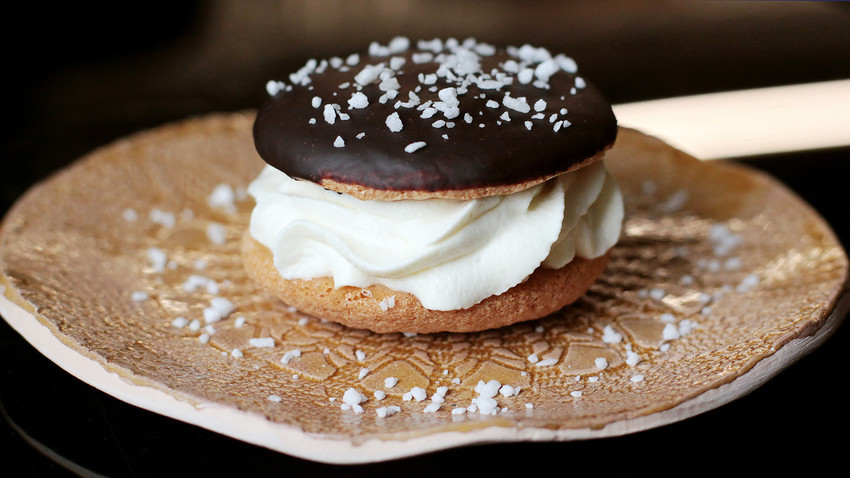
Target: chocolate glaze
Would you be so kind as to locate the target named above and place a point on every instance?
(471, 157)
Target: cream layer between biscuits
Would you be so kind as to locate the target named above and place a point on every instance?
(450, 254)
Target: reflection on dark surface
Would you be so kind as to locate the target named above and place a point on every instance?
(107, 73)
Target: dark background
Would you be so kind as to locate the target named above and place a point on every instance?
(77, 77)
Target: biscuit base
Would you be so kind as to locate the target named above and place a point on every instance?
(544, 292)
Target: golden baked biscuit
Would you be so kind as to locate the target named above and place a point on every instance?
(381, 309)
(432, 121)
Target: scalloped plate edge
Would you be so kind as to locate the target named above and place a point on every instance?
(256, 429)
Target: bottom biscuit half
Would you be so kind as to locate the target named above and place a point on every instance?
(381, 309)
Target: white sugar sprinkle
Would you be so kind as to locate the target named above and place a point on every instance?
(358, 101)
(600, 363)
(263, 342)
(289, 355)
(138, 296)
(394, 123)
(353, 397)
(610, 336)
(275, 398)
(274, 87)
(508, 391)
(539, 105)
(216, 233)
(236, 353)
(516, 104)
(566, 63)
(211, 314)
(158, 259)
(423, 57)
(180, 322)
(686, 326)
(387, 303)
(194, 282)
(222, 197)
(547, 362)
(490, 84)
(329, 113)
(390, 382)
(429, 79)
(163, 218)
(748, 283)
(369, 74)
(224, 306)
(130, 215)
(415, 146)
(546, 69)
(670, 332)
(316, 102)
(488, 389)
(415, 393)
(384, 412)
(397, 62)
(339, 142)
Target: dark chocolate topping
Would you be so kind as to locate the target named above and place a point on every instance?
(293, 136)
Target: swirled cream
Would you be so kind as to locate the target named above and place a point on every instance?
(450, 254)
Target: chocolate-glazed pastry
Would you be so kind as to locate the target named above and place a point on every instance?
(488, 120)
(450, 186)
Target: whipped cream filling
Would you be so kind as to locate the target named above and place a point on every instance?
(450, 254)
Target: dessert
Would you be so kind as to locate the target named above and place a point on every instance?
(436, 186)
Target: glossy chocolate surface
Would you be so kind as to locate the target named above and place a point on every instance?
(487, 151)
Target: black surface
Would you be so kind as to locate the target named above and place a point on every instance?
(95, 79)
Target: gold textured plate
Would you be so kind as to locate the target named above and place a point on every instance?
(722, 278)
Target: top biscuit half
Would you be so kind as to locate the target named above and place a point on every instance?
(449, 119)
